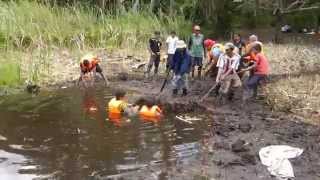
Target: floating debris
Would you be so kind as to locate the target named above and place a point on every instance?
(184, 120)
(130, 167)
(2, 138)
(186, 146)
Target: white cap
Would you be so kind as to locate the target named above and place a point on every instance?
(197, 28)
(181, 44)
(229, 45)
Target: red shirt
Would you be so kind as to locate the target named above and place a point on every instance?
(262, 67)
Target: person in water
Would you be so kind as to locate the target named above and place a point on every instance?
(150, 111)
(118, 107)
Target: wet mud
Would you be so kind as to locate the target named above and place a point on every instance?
(65, 135)
(236, 133)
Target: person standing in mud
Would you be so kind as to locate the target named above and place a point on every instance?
(260, 67)
(227, 74)
(181, 64)
(154, 49)
(172, 45)
(197, 49)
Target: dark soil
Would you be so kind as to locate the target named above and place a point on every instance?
(237, 134)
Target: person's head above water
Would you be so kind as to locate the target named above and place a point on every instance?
(120, 94)
(149, 102)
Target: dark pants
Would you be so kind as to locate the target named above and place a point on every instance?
(253, 82)
(169, 61)
(154, 60)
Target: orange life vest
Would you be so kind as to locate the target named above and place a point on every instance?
(92, 64)
(114, 111)
(150, 114)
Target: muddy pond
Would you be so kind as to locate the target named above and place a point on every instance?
(64, 134)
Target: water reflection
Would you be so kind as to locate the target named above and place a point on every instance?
(65, 135)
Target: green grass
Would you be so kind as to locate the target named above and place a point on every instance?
(35, 29)
(30, 23)
(9, 74)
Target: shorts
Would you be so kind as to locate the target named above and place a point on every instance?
(197, 61)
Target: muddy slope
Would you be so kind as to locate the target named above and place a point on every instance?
(237, 133)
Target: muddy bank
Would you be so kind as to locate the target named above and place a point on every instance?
(224, 144)
(237, 133)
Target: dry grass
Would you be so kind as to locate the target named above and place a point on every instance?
(295, 79)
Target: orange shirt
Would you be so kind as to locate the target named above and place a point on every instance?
(262, 67)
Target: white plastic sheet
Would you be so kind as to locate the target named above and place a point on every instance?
(276, 159)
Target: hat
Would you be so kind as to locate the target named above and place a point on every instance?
(229, 46)
(197, 28)
(181, 44)
(209, 43)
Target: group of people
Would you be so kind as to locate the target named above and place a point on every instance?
(233, 65)
(145, 108)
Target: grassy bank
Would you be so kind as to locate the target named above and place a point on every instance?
(295, 79)
(37, 30)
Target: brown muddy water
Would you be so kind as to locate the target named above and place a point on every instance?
(65, 135)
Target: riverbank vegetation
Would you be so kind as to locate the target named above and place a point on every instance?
(39, 38)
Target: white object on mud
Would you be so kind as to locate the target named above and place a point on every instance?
(2, 138)
(276, 159)
(184, 120)
(188, 119)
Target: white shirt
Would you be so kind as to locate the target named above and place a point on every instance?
(172, 43)
(225, 62)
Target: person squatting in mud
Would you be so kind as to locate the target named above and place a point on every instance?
(213, 52)
(89, 66)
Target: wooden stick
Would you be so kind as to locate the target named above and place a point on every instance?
(208, 93)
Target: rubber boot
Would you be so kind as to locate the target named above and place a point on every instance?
(216, 91)
(230, 95)
(184, 92)
(175, 92)
(192, 72)
(199, 72)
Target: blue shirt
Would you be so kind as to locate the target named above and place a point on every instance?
(181, 63)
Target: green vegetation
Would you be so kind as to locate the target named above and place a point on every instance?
(9, 74)
(34, 29)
